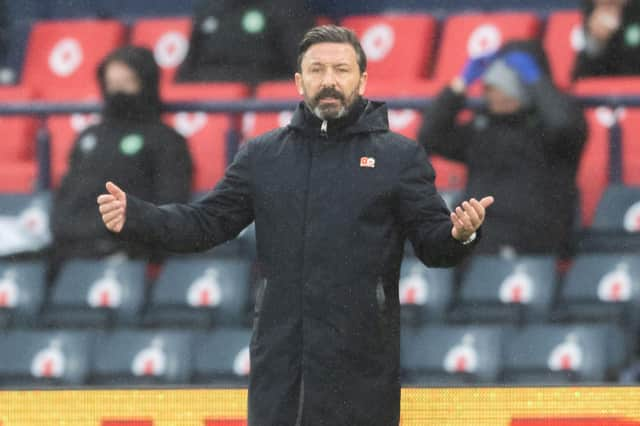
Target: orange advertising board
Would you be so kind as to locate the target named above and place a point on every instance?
(552, 406)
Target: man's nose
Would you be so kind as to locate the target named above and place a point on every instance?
(329, 79)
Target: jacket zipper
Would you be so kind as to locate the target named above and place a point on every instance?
(323, 134)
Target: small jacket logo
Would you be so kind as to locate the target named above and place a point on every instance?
(367, 162)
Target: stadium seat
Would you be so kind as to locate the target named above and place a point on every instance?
(425, 293)
(63, 130)
(607, 86)
(561, 354)
(142, 357)
(200, 292)
(62, 57)
(22, 291)
(168, 38)
(18, 159)
(222, 357)
(630, 124)
(190, 92)
(24, 223)
(207, 137)
(398, 47)
(616, 227)
(619, 209)
(96, 293)
(506, 290)
(452, 355)
(44, 358)
(593, 171)
(563, 38)
(474, 34)
(603, 288)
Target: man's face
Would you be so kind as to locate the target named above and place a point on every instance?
(119, 77)
(330, 80)
(499, 102)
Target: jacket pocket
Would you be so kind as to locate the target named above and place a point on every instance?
(257, 310)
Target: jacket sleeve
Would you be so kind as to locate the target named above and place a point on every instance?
(424, 215)
(440, 134)
(172, 170)
(562, 118)
(218, 217)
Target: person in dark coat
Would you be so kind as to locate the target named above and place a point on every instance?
(149, 158)
(247, 41)
(524, 145)
(611, 39)
(334, 195)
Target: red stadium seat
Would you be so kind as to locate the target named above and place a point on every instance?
(630, 122)
(563, 38)
(206, 135)
(18, 162)
(398, 47)
(185, 92)
(63, 130)
(593, 172)
(607, 86)
(254, 124)
(168, 38)
(470, 35)
(62, 57)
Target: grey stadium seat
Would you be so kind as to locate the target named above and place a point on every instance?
(44, 358)
(200, 292)
(22, 292)
(24, 223)
(561, 354)
(425, 293)
(97, 293)
(452, 355)
(602, 287)
(138, 357)
(616, 225)
(222, 357)
(506, 290)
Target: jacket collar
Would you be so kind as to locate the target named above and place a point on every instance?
(365, 117)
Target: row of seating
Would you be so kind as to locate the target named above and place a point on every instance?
(203, 292)
(433, 355)
(61, 56)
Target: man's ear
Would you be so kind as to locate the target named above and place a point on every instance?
(363, 83)
(298, 79)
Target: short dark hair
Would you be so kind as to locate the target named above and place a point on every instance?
(332, 34)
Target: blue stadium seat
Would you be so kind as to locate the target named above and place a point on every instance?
(616, 226)
(22, 292)
(452, 355)
(97, 293)
(142, 357)
(24, 223)
(602, 288)
(43, 358)
(222, 357)
(200, 292)
(425, 293)
(506, 290)
(561, 354)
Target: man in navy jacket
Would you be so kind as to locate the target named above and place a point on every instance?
(334, 196)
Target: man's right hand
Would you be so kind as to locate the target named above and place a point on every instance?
(113, 207)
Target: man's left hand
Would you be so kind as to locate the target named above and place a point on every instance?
(468, 217)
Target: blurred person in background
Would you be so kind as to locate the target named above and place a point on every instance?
(247, 41)
(524, 145)
(611, 39)
(149, 158)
